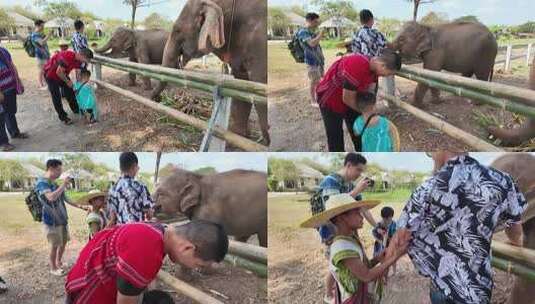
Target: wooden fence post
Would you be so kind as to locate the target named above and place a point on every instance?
(528, 54)
(97, 71)
(220, 118)
(508, 58)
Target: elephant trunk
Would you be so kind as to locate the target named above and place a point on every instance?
(526, 131)
(522, 291)
(104, 48)
(171, 59)
(512, 137)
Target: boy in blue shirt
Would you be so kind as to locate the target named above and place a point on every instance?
(85, 97)
(383, 232)
(372, 128)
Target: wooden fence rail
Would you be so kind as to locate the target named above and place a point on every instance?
(223, 89)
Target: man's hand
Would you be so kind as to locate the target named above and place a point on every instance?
(69, 83)
(514, 234)
(66, 180)
(362, 185)
(2, 97)
(399, 243)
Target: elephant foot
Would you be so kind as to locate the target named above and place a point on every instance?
(436, 100)
(147, 88)
(209, 270)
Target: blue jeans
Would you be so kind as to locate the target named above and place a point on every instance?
(438, 297)
(7, 117)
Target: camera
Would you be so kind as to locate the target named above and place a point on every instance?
(371, 182)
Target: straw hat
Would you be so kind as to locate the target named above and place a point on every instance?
(336, 205)
(91, 195)
(63, 42)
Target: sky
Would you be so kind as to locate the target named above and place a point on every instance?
(509, 12)
(411, 161)
(147, 161)
(116, 8)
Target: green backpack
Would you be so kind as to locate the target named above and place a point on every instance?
(35, 205)
(29, 47)
(296, 49)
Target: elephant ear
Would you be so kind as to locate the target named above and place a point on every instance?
(130, 39)
(425, 40)
(189, 197)
(212, 30)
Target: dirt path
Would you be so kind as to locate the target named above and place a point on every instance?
(296, 126)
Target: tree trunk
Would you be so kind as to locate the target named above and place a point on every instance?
(134, 8)
(415, 11)
(158, 157)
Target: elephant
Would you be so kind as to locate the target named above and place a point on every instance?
(236, 32)
(460, 47)
(235, 199)
(516, 136)
(521, 167)
(143, 46)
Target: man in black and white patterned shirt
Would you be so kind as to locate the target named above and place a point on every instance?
(129, 200)
(367, 40)
(452, 217)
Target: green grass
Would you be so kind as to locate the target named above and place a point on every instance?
(285, 213)
(17, 220)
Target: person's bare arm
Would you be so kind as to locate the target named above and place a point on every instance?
(60, 71)
(94, 227)
(365, 274)
(55, 195)
(369, 217)
(349, 98)
(122, 299)
(514, 234)
(1, 97)
(316, 40)
(112, 220)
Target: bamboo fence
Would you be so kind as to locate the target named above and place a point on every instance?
(517, 98)
(233, 138)
(186, 289)
(243, 90)
(248, 251)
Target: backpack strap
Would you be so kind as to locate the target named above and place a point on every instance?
(80, 88)
(367, 123)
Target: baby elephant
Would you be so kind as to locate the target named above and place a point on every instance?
(236, 199)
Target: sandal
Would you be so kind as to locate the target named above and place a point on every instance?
(68, 121)
(7, 147)
(3, 286)
(58, 272)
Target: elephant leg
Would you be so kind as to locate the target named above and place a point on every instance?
(144, 58)
(469, 75)
(435, 93)
(419, 94)
(132, 79)
(240, 110)
(147, 84)
(242, 238)
(523, 289)
(262, 111)
(262, 237)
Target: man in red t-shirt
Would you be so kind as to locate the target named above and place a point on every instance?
(117, 264)
(57, 71)
(337, 92)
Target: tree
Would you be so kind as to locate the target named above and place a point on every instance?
(299, 10)
(62, 10)
(467, 18)
(135, 4)
(206, 170)
(528, 27)
(337, 9)
(157, 168)
(6, 22)
(11, 171)
(278, 22)
(282, 169)
(416, 5)
(25, 11)
(157, 21)
(433, 18)
(389, 27)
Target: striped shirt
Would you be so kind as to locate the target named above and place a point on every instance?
(79, 42)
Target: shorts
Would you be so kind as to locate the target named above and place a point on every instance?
(315, 73)
(57, 235)
(41, 62)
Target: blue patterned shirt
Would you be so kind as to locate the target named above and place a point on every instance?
(41, 48)
(79, 42)
(368, 42)
(129, 198)
(452, 217)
